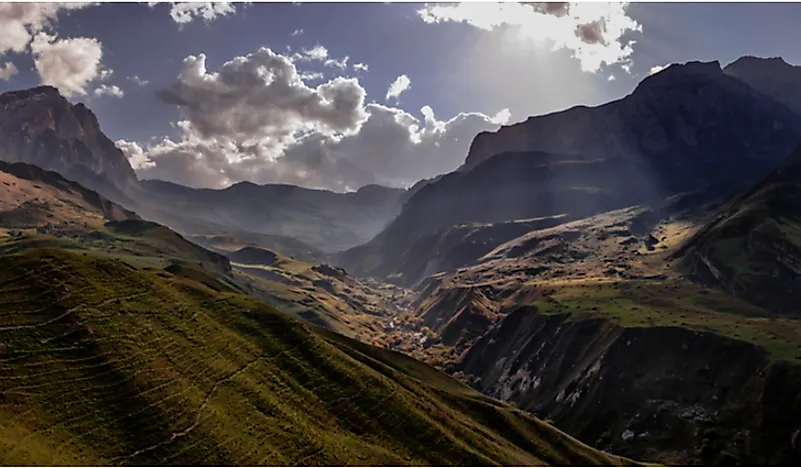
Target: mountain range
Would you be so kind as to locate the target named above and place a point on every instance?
(627, 272)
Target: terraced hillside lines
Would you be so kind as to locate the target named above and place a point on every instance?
(105, 363)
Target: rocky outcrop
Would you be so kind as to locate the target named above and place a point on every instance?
(39, 126)
(686, 115)
(667, 394)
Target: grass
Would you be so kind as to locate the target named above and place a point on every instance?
(676, 304)
(102, 362)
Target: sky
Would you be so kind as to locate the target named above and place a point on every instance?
(342, 95)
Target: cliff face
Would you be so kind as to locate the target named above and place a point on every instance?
(686, 113)
(772, 76)
(655, 393)
(38, 126)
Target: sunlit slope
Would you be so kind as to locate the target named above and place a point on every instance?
(103, 363)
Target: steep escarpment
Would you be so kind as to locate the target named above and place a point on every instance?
(659, 393)
(39, 126)
(680, 116)
(772, 76)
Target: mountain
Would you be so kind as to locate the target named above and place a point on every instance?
(38, 126)
(593, 324)
(753, 246)
(772, 76)
(687, 127)
(324, 220)
(684, 115)
(148, 367)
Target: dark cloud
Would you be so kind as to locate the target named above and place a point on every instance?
(551, 8)
(592, 33)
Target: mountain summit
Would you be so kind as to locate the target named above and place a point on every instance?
(39, 126)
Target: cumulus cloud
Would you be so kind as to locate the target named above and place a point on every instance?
(19, 22)
(183, 12)
(135, 154)
(360, 66)
(593, 32)
(401, 84)
(68, 64)
(106, 90)
(7, 71)
(254, 119)
(261, 95)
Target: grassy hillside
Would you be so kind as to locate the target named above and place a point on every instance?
(105, 363)
(753, 247)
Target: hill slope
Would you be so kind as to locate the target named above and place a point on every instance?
(105, 363)
(753, 248)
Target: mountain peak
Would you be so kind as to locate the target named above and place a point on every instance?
(680, 75)
(39, 126)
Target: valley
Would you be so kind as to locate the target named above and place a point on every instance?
(619, 279)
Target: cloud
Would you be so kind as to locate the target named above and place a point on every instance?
(657, 68)
(106, 90)
(139, 81)
(135, 154)
(20, 22)
(296, 32)
(360, 66)
(311, 76)
(341, 63)
(254, 119)
(68, 64)
(261, 95)
(593, 32)
(183, 12)
(401, 84)
(317, 52)
(7, 71)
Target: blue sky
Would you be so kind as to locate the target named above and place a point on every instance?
(471, 70)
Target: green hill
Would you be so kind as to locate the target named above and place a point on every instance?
(105, 363)
(752, 249)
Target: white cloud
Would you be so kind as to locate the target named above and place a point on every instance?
(657, 68)
(68, 64)
(106, 90)
(254, 119)
(136, 156)
(360, 66)
(591, 31)
(7, 71)
(401, 84)
(139, 81)
(19, 22)
(184, 12)
(261, 95)
(317, 52)
(341, 63)
(297, 32)
(105, 74)
(311, 76)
